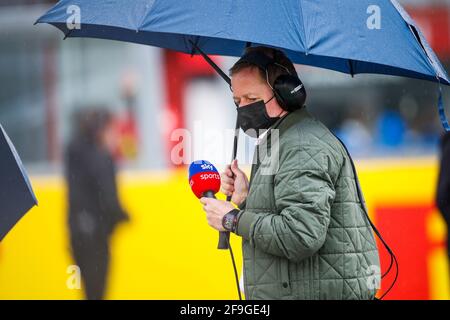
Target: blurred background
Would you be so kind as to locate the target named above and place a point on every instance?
(166, 250)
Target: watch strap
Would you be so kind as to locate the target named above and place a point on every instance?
(229, 221)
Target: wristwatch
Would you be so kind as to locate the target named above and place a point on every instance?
(229, 220)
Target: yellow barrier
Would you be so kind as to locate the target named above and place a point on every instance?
(168, 251)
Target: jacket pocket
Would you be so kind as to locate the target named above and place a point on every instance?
(285, 281)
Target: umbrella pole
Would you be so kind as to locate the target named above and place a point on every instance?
(211, 63)
(224, 237)
(223, 243)
(235, 145)
(227, 80)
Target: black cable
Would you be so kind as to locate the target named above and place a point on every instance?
(235, 270)
(235, 144)
(389, 250)
(391, 253)
(395, 279)
(389, 268)
(228, 240)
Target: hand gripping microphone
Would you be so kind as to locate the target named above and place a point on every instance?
(204, 180)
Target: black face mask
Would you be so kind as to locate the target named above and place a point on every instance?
(254, 116)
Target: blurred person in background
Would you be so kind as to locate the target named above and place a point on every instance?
(443, 190)
(94, 208)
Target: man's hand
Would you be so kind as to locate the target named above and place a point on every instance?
(215, 210)
(234, 183)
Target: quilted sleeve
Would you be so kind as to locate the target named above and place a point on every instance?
(304, 192)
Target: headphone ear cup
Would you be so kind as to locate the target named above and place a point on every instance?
(279, 99)
(290, 92)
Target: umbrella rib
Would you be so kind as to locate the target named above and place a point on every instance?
(350, 64)
(211, 63)
(149, 7)
(67, 34)
(304, 29)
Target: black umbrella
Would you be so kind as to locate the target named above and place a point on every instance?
(16, 194)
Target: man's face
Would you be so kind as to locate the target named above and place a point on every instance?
(248, 86)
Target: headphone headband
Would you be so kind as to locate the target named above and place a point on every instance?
(288, 88)
(261, 60)
(257, 58)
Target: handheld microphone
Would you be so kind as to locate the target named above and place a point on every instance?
(204, 180)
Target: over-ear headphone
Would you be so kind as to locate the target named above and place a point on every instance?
(287, 88)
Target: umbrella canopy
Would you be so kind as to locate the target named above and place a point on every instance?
(16, 194)
(364, 36)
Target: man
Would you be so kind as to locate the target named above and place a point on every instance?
(304, 229)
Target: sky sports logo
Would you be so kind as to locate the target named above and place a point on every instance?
(207, 176)
(206, 166)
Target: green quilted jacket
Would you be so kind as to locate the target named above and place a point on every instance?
(304, 231)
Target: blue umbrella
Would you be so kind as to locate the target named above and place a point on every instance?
(16, 194)
(363, 36)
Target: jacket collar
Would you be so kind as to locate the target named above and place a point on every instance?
(284, 123)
